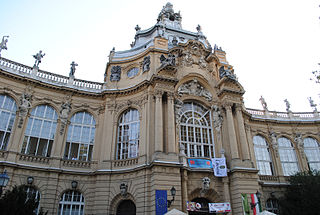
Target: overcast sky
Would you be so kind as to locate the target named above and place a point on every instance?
(272, 44)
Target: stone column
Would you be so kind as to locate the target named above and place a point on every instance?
(226, 190)
(242, 134)
(231, 132)
(158, 122)
(171, 124)
(184, 189)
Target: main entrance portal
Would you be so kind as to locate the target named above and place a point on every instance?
(126, 207)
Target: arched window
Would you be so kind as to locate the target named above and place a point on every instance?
(272, 205)
(80, 139)
(128, 135)
(312, 151)
(196, 130)
(262, 153)
(40, 131)
(288, 157)
(71, 203)
(8, 110)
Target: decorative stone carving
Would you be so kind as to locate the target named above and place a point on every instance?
(24, 106)
(203, 63)
(123, 189)
(137, 28)
(72, 69)
(174, 41)
(38, 58)
(177, 109)
(227, 73)
(217, 117)
(206, 183)
(3, 44)
(168, 17)
(263, 103)
(274, 143)
(64, 114)
(194, 88)
(146, 64)
(115, 73)
(299, 142)
(187, 59)
(170, 61)
(287, 105)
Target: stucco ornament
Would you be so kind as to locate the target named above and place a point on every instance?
(274, 143)
(115, 73)
(64, 114)
(205, 184)
(146, 64)
(24, 106)
(194, 88)
(3, 44)
(217, 117)
(38, 58)
(169, 61)
(263, 103)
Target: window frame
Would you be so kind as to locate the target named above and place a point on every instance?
(287, 151)
(315, 150)
(263, 149)
(63, 202)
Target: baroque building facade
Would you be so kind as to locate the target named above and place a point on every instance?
(106, 148)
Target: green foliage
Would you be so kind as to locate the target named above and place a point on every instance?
(18, 202)
(302, 195)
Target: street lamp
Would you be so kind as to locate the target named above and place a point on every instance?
(258, 194)
(173, 193)
(4, 179)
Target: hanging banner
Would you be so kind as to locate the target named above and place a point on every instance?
(256, 203)
(199, 163)
(219, 167)
(245, 204)
(193, 206)
(219, 207)
(161, 202)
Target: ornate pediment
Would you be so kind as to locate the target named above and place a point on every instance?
(194, 88)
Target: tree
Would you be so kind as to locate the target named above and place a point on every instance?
(302, 195)
(18, 202)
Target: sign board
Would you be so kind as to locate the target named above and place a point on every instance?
(193, 206)
(199, 163)
(219, 207)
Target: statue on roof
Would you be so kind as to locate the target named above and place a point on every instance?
(263, 103)
(169, 17)
(3, 44)
(72, 69)
(38, 58)
(287, 105)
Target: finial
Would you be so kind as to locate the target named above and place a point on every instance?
(137, 28)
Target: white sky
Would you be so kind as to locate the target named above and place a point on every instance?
(272, 44)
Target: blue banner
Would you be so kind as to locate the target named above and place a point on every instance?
(199, 163)
(161, 202)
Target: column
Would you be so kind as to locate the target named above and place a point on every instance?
(158, 132)
(226, 191)
(242, 134)
(184, 189)
(231, 132)
(171, 124)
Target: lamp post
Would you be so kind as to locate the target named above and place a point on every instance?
(253, 205)
(4, 179)
(173, 194)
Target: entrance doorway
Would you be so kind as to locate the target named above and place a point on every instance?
(126, 207)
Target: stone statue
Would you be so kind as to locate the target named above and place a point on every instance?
(64, 114)
(199, 29)
(274, 142)
(25, 104)
(202, 62)
(137, 28)
(146, 64)
(72, 69)
(227, 73)
(194, 88)
(170, 61)
(287, 105)
(3, 44)
(263, 103)
(38, 58)
(115, 73)
(312, 104)
(217, 117)
(298, 140)
(205, 183)
(174, 41)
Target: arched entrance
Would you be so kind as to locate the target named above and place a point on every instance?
(126, 207)
(204, 207)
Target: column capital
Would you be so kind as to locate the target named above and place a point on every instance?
(227, 105)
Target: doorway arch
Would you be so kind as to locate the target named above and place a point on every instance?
(126, 207)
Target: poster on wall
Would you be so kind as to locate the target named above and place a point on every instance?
(199, 163)
(219, 207)
(193, 206)
(219, 167)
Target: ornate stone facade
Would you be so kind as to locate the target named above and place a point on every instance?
(116, 143)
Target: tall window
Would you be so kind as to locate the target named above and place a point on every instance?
(8, 109)
(288, 157)
(262, 153)
(80, 137)
(272, 205)
(40, 131)
(312, 151)
(128, 135)
(71, 203)
(196, 130)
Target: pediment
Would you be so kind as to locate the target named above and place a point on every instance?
(194, 88)
(229, 85)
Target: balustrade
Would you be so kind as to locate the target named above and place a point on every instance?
(126, 162)
(32, 158)
(76, 163)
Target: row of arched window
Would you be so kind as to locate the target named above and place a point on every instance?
(196, 134)
(287, 155)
